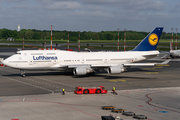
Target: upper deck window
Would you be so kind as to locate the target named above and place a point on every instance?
(36, 53)
(51, 53)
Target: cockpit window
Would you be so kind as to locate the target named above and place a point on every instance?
(17, 53)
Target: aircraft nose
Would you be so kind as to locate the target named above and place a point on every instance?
(172, 52)
(5, 62)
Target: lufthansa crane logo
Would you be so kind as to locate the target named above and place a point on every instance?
(153, 39)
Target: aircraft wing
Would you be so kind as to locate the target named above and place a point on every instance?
(146, 64)
(150, 56)
(57, 66)
(105, 65)
(139, 64)
(131, 64)
(85, 65)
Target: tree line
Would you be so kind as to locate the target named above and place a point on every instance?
(33, 34)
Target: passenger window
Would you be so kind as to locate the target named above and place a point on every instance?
(80, 90)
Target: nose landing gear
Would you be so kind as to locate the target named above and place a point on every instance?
(22, 73)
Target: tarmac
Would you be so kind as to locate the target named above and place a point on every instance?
(151, 91)
(155, 103)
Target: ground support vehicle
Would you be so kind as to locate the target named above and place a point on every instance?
(118, 110)
(110, 118)
(140, 116)
(107, 118)
(1, 65)
(92, 90)
(108, 107)
(128, 113)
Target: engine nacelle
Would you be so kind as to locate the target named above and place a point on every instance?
(79, 71)
(114, 69)
(123, 69)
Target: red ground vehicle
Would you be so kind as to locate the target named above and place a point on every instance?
(92, 90)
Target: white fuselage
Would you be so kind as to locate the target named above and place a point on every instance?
(175, 53)
(57, 59)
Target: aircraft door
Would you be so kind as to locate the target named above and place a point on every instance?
(105, 60)
(54, 61)
(82, 60)
(31, 61)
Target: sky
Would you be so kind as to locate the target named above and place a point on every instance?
(90, 15)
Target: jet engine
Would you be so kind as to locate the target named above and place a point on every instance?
(79, 71)
(114, 70)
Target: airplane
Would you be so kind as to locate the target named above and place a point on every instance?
(82, 63)
(172, 53)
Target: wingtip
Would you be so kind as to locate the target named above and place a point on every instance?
(165, 62)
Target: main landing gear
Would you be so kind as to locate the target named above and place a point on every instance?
(22, 73)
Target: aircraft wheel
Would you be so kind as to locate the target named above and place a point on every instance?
(23, 75)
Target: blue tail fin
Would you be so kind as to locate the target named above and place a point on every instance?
(151, 41)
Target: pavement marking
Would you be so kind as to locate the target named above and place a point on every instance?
(14, 100)
(54, 82)
(151, 73)
(29, 84)
(23, 99)
(117, 80)
(152, 109)
(158, 67)
(39, 83)
(125, 81)
(70, 107)
(163, 111)
(46, 80)
(149, 68)
(156, 105)
(162, 65)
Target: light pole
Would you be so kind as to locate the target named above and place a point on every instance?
(118, 41)
(51, 36)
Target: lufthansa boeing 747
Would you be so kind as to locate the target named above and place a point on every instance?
(82, 63)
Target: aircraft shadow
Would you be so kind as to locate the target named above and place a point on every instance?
(122, 77)
(105, 75)
(140, 70)
(42, 74)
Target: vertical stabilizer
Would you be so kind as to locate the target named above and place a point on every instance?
(151, 41)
